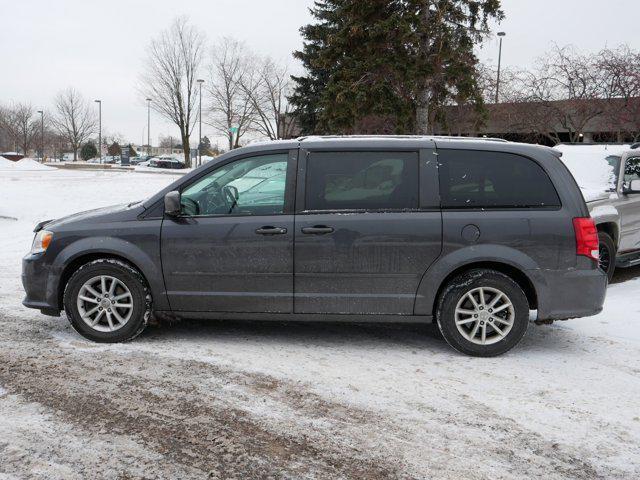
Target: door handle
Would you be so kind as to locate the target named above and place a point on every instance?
(271, 231)
(317, 230)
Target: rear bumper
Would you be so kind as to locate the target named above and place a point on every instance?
(570, 293)
(40, 282)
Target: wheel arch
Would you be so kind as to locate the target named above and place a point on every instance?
(89, 257)
(611, 229)
(510, 271)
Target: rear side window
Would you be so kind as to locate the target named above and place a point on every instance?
(475, 179)
(362, 181)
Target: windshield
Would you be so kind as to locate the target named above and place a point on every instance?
(614, 162)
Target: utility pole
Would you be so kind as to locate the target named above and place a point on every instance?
(148, 127)
(501, 35)
(41, 112)
(99, 102)
(200, 81)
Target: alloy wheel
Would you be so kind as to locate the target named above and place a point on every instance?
(105, 303)
(484, 315)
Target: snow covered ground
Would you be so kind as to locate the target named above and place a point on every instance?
(246, 400)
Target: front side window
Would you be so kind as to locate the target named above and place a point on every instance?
(476, 179)
(362, 181)
(251, 186)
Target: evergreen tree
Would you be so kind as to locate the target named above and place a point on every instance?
(397, 59)
(89, 150)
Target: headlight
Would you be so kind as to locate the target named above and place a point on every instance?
(42, 241)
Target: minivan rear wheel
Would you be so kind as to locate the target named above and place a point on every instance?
(107, 301)
(483, 313)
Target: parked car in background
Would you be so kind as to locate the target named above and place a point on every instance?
(610, 177)
(166, 162)
(473, 234)
(138, 160)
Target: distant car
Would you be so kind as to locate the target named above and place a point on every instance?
(138, 160)
(616, 208)
(166, 162)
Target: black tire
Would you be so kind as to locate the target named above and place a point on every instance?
(607, 254)
(140, 299)
(458, 288)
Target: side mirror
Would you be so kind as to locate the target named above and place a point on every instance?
(633, 186)
(172, 206)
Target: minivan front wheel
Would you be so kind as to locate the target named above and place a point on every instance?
(483, 313)
(107, 301)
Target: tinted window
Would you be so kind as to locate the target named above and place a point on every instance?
(362, 181)
(252, 186)
(471, 179)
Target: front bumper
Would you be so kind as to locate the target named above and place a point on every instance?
(569, 294)
(40, 282)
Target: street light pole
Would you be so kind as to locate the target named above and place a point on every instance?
(500, 34)
(200, 81)
(41, 112)
(99, 102)
(148, 127)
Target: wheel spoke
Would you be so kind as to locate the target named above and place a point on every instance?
(475, 330)
(481, 296)
(91, 312)
(112, 287)
(91, 290)
(110, 321)
(121, 296)
(122, 305)
(502, 321)
(87, 299)
(464, 311)
(103, 285)
(498, 331)
(470, 296)
(484, 333)
(119, 317)
(495, 300)
(502, 307)
(97, 319)
(466, 321)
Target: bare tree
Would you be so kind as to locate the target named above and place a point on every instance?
(267, 87)
(620, 69)
(171, 71)
(567, 86)
(74, 119)
(232, 111)
(26, 127)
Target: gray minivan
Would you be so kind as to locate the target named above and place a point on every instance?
(472, 233)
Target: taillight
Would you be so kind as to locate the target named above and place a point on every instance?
(586, 237)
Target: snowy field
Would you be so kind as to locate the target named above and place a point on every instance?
(247, 400)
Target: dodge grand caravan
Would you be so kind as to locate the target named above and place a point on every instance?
(474, 234)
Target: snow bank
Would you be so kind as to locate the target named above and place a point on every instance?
(590, 168)
(26, 164)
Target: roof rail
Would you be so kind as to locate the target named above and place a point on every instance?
(400, 137)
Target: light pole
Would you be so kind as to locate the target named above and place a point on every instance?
(41, 112)
(99, 102)
(500, 34)
(148, 127)
(200, 81)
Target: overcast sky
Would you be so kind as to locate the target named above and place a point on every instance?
(97, 47)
